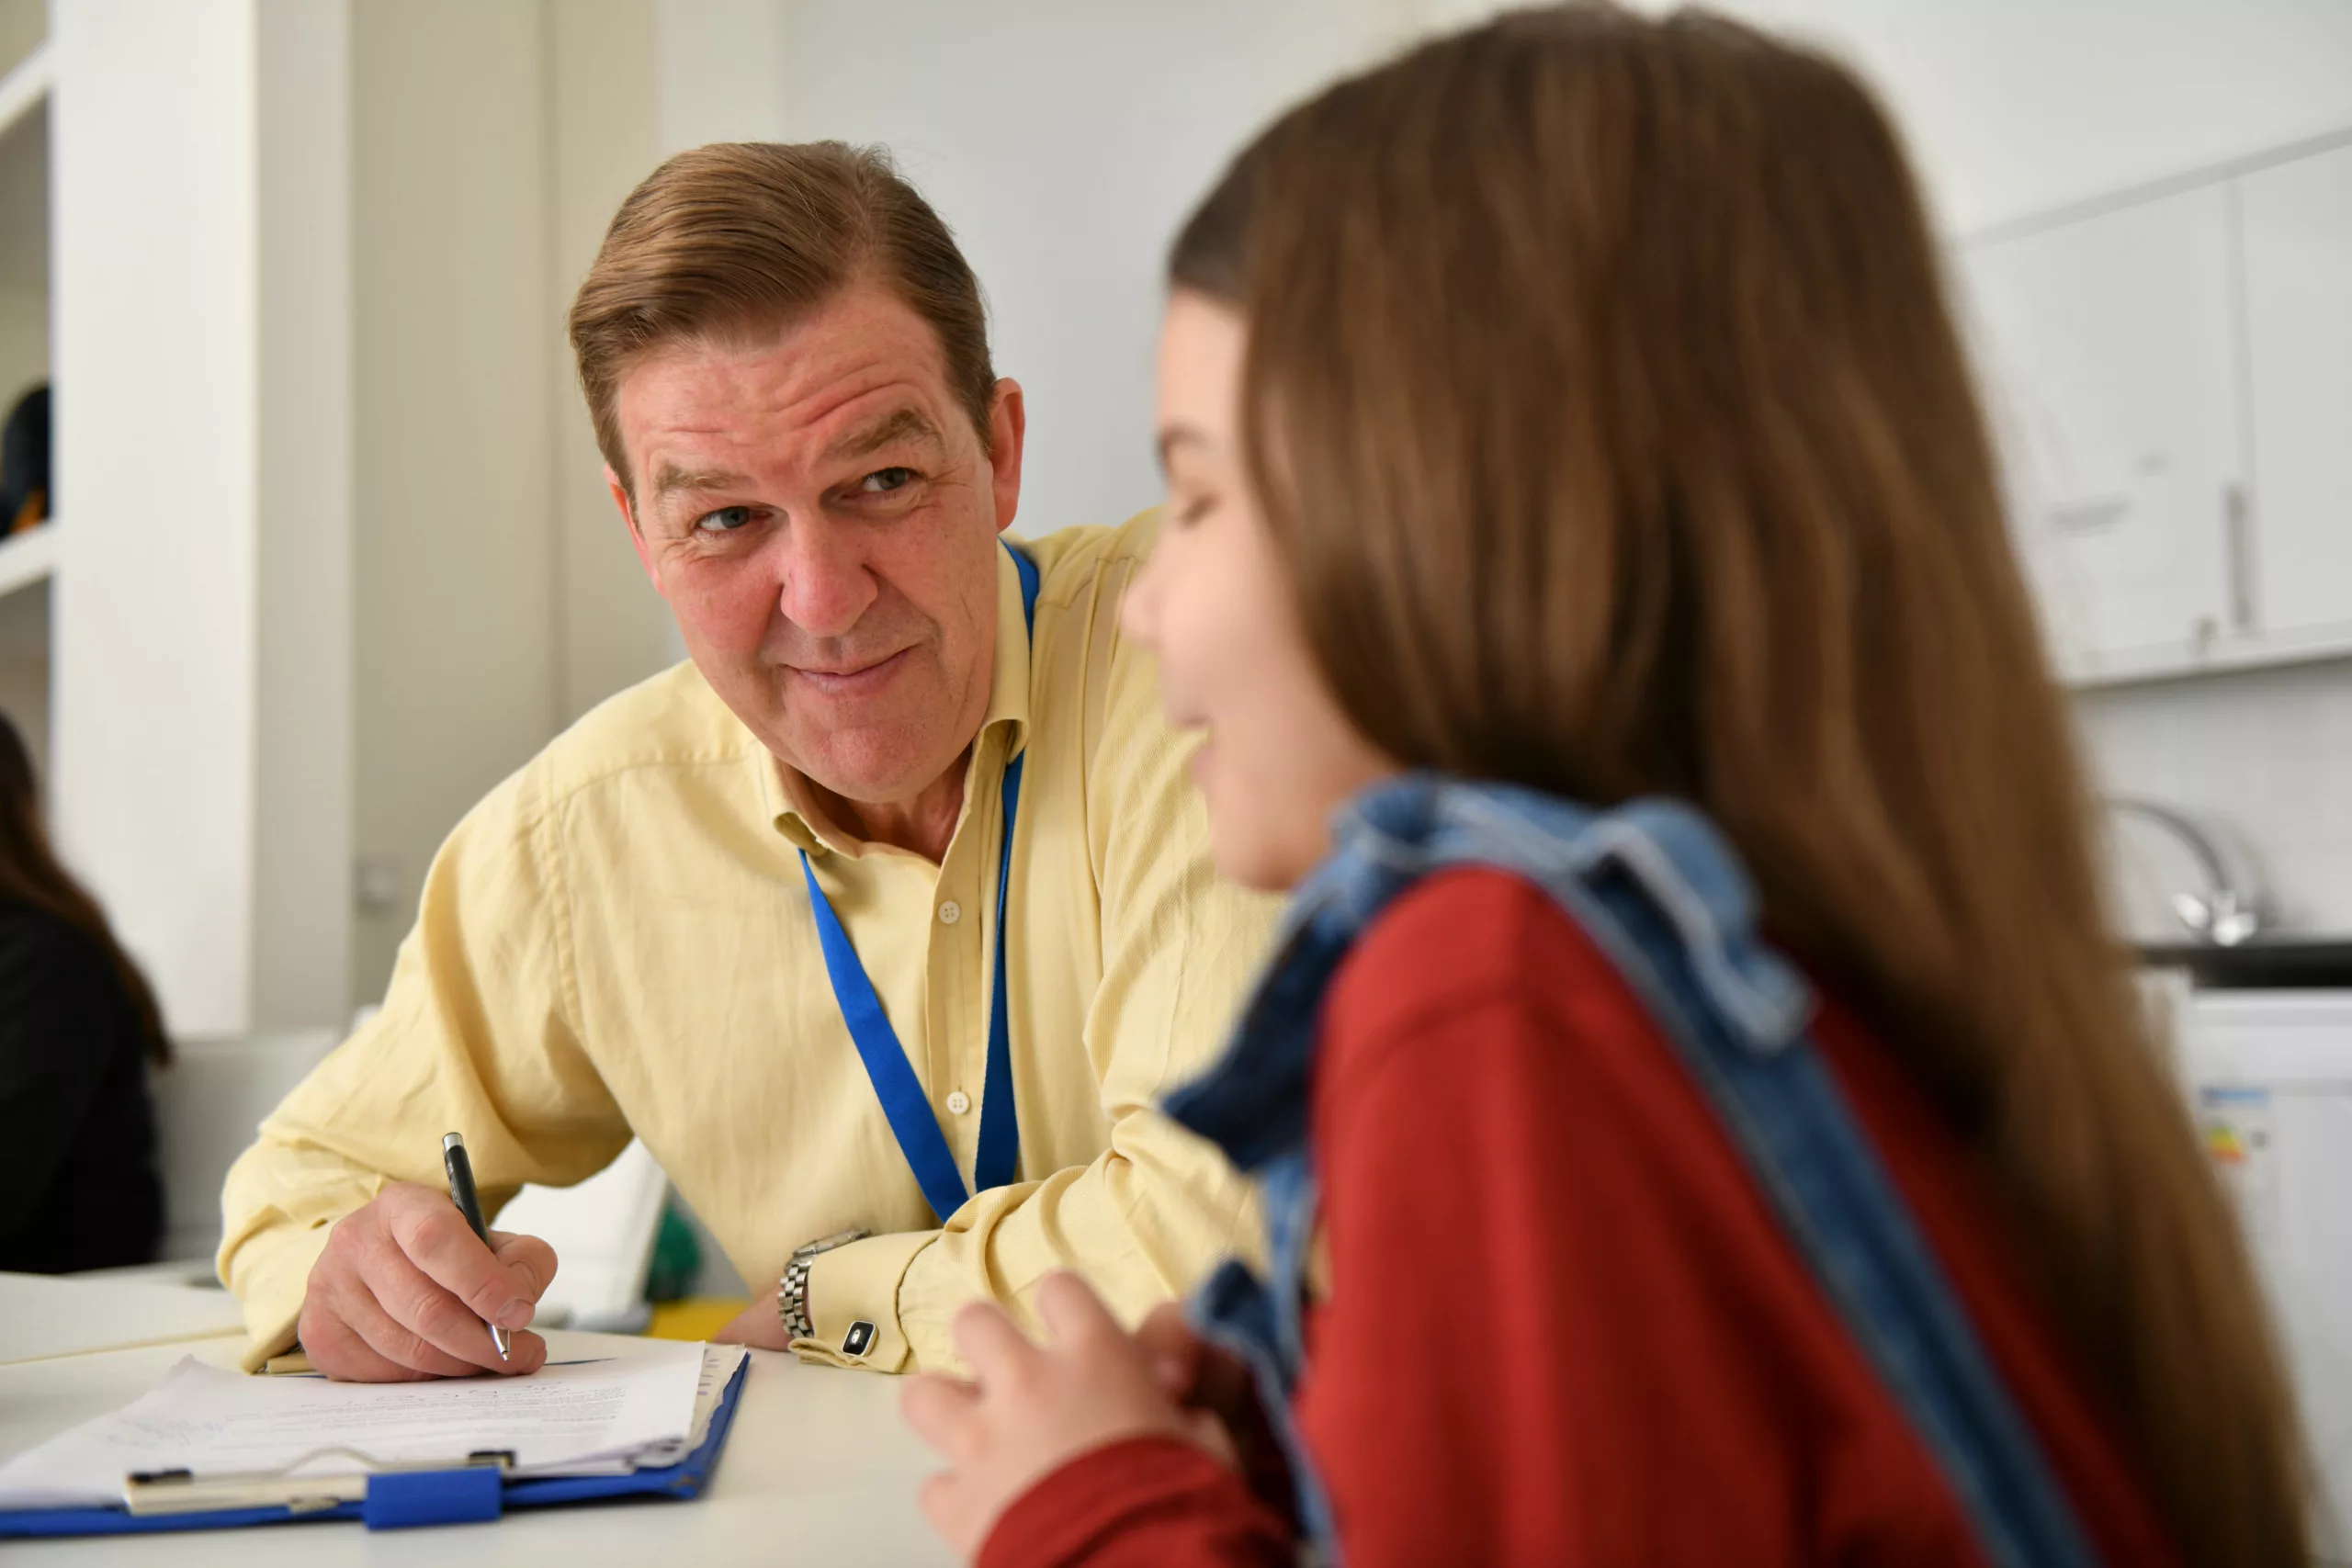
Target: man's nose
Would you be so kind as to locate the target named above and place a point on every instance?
(825, 584)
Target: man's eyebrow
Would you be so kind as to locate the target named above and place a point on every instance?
(901, 424)
(670, 479)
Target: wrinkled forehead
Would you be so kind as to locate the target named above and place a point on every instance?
(845, 377)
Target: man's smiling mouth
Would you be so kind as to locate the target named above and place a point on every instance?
(852, 681)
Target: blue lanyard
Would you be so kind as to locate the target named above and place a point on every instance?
(894, 1080)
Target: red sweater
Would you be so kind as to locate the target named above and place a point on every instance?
(1562, 1326)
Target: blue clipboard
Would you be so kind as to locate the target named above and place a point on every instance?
(401, 1499)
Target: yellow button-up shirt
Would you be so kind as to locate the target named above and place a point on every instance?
(618, 939)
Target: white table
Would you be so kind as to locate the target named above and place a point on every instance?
(817, 1468)
(42, 1314)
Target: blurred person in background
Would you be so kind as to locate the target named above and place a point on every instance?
(78, 1032)
(1702, 1113)
(904, 845)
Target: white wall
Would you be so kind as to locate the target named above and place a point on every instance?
(605, 134)
(2014, 106)
(457, 677)
(1064, 143)
(195, 541)
(303, 635)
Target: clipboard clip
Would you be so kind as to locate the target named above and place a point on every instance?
(390, 1496)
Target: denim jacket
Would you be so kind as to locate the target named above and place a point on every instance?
(1662, 895)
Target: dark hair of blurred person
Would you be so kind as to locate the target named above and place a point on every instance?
(78, 1030)
(1598, 414)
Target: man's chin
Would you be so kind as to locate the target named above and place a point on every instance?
(882, 765)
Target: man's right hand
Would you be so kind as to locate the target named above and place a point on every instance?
(404, 1289)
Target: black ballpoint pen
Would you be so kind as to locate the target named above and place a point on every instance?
(461, 1192)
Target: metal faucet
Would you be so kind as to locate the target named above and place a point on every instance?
(2224, 914)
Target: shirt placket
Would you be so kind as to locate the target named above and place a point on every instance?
(957, 1066)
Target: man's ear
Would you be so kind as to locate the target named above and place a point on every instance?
(1008, 424)
(635, 534)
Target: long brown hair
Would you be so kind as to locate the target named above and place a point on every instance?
(1603, 397)
(32, 875)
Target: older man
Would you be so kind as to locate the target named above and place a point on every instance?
(883, 922)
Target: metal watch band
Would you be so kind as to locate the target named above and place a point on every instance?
(792, 1290)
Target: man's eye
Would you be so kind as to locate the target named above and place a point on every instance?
(726, 520)
(881, 481)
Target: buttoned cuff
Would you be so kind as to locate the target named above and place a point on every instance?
(859, 1283)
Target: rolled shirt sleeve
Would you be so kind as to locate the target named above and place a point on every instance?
(475, 1035)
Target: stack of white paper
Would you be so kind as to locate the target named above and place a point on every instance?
(581, 1418)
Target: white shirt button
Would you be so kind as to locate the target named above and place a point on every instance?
(950, 912)
(959, 1102)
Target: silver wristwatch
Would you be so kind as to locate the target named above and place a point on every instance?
(792, 1290)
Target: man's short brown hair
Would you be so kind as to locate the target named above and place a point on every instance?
(738, 237)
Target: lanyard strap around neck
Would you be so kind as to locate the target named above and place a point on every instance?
(894, 1080)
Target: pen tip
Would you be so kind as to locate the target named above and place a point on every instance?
(453, 1141)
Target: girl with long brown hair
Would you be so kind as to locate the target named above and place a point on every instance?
(78, 1030)
(1701, 1108)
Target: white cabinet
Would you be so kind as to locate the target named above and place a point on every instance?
(2169, 379)
(2106, 347)
(2271, 1073)
(2296, 232)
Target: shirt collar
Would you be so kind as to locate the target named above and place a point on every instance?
(792, 805)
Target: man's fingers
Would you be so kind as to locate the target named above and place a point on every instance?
(417, 1301)
(529, 1256)
(395, 1342)
(434, 1238)
(336, 1350)
(1073, 1312)
(942, 1410)
(526, 1352)
(990, 1345)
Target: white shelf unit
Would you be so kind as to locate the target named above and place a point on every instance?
(26, 86)
(28, 560)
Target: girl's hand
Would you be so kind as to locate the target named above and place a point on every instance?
(1202, 1378)
(1030, 1408)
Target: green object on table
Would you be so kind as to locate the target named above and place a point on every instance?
(677, 1257)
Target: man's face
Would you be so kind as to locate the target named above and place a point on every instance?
(821, 517)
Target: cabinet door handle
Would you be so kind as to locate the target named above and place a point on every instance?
(2241, 556)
